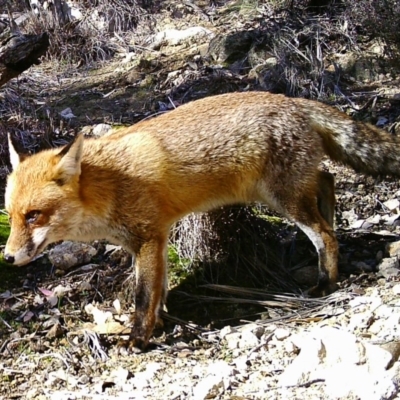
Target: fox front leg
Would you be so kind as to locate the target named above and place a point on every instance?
(151, 267)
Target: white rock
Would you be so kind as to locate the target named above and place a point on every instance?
(376, 326)
(214, 379)
(375, 219)
(119, 375)
(393, 248)
(241, 363)
(389, 267)
(344, 380)
(281, 334)
(289, 347)
(360, 301)
(378, 359)
(226, 330)
(392, 204)
(100, 317)
(387, 311)
(100, 130)
(232, 340)
(299, 371)
(340, 346)
(248, 340)
(208, 388)
(70, 254)
(396, 289)
(174, 37)
(361, 321)
(258, 330)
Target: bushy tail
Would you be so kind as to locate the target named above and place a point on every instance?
(363, 147)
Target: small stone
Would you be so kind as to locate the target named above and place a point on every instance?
(258, 330)
(226, 330)
(248, 340)
(392, 204)
(208, 388)
(377, 327)
(32, 394)
(120, 375)
(393, 249)
(361, 321)
(377, 358)
(70, 254)
(389, 267)
(396, 289)
(344, 381)
(184, 354)
(242, 363)
(100, 130)
(84, 286)
(232, 340)
(289, 347)
(84, 379)
(55, 331)
(350, 350)
(300, 370)
(393, 348)
(67, 113)
(281, 334)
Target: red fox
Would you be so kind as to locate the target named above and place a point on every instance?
(131, 186)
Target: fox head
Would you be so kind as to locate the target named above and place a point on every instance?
(41, 198)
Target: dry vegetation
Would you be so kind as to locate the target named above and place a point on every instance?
(303, 39)
(232, 265)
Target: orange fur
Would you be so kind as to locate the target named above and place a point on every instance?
(131, 186)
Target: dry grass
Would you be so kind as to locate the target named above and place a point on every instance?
(105, 28)
(301, 43)
(377, 19)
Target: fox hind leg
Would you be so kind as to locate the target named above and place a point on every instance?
(308, 218)
(326, 196)
(312, 210)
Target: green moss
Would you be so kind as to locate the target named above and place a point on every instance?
(178, 268)
(272, 219)
(10, 276)
(116, 127)
(4, 227)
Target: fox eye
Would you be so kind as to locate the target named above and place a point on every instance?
(32, 216)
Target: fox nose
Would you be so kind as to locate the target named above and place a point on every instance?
(9, 258)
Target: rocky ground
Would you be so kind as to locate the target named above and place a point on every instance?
(342, 347)
(60, 323)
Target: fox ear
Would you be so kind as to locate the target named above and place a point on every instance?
(16, 157)
(70, 160)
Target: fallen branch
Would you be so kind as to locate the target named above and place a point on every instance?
(19, 52)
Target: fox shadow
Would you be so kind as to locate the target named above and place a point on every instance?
(248, 257)
(258, 259)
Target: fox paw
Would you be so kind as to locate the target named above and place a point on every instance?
(323, 290)
(132, 346)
